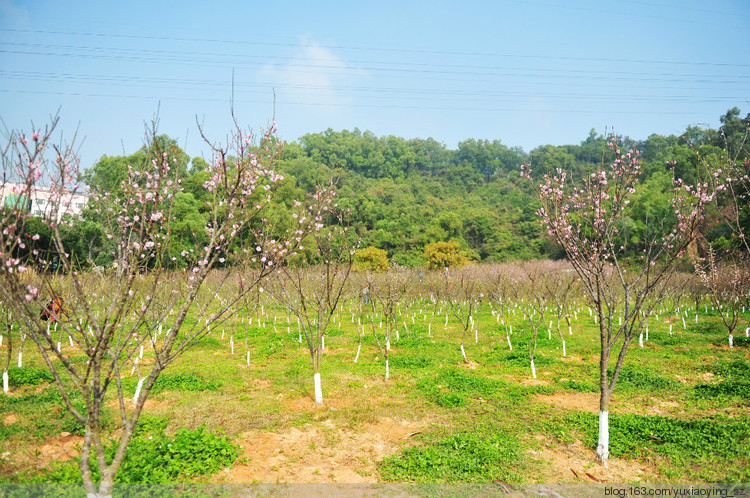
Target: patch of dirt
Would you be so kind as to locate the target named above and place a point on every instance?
(471, 365)
(323, 452)
(576, 463)
(64, 447)
(148, 406)
(534, 382)
(589, 402)
(9, 419)
(261, 384)
(26, 390)
(572, 358)
(585, 402)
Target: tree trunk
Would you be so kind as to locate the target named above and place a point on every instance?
(602, 446)
(105, 490)
(318, 389)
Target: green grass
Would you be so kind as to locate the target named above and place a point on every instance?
(476, 420)
(734, 385)
(460, 457)
(174, 382)
(638, 378)
(690, 445)
(18, 377)
(159, 458)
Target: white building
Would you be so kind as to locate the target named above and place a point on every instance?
(42, 200)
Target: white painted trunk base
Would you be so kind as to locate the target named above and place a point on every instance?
(464, 353)
(20, 359)
(318, 389)
(387, 370)
(509, 344)
(564, 352)
(138, 390)
(602, 447)
(5, 381)
(358, 350)
(533, 370)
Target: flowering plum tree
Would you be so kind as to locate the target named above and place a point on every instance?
(461, 291)
(110, 318)
(560, 287)
(532, 289)
(586, 218)
(725, 272)
(388, 290)
(314, 293)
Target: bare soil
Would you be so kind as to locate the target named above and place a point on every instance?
(576, 463)
(64, 447)
(320, 453)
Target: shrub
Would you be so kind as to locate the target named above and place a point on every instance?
(371, 258)
(441, 255)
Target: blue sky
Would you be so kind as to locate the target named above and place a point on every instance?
(526, 72)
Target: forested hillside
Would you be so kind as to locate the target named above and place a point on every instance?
(405, 193)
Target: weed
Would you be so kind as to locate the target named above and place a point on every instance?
(634, 377)
(688, 443)
(735, 385)
(450, 400)
(521, 359)
(472, 457)
(407, 362)
(159, 458)
(174, 382)
(579, 386)
(28, 376)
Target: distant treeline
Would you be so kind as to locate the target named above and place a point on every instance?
(403, 194)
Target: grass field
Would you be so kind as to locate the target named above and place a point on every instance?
(680, 412)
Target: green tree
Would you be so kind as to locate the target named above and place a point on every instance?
(444, 255)
(371, 258)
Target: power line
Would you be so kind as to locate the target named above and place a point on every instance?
(194, 84)
(360, 48)
(181, 56)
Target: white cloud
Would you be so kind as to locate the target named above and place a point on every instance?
(313, 76)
